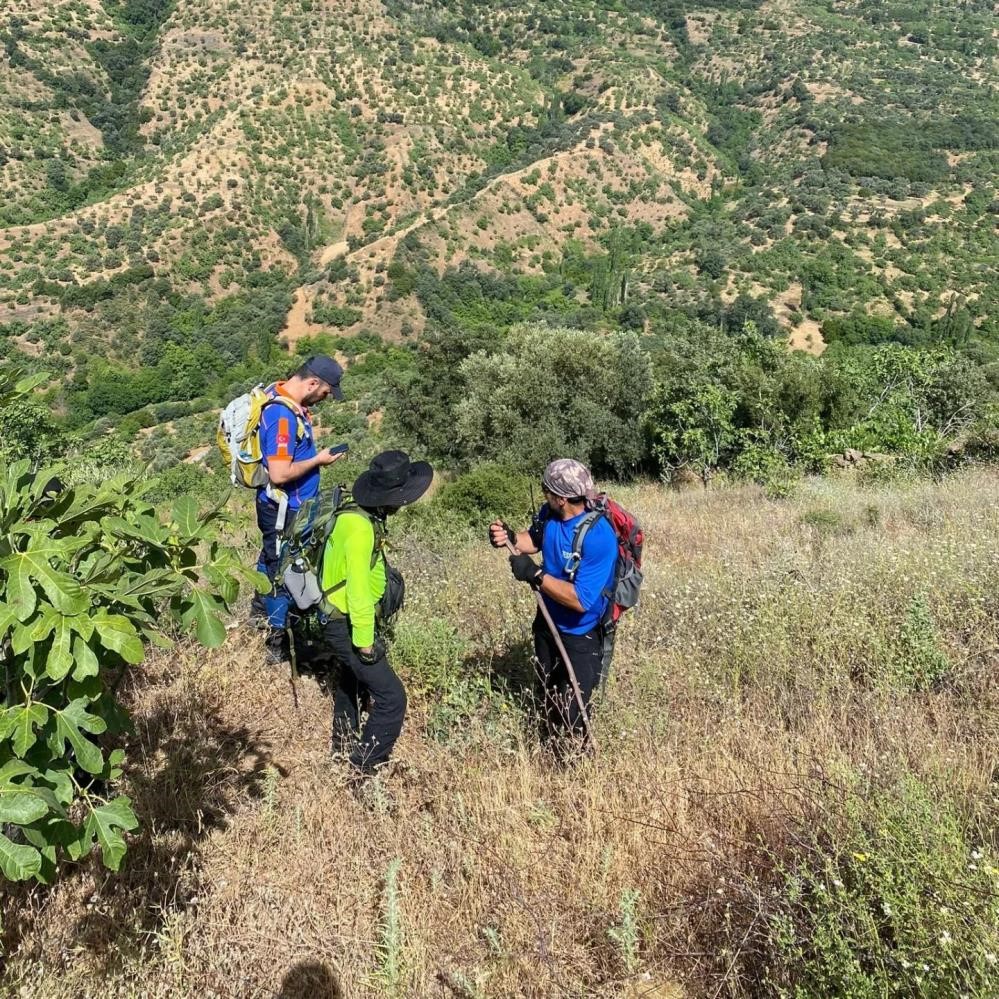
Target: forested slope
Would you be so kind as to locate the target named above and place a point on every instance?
(169, 166)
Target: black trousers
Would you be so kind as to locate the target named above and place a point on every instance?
(587, 654)
(360, 686)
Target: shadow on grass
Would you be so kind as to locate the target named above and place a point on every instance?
(187, 769)
(310, 980)
(513, 671)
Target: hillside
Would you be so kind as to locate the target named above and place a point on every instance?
(829, 159)
(797, 783)
(740, 258)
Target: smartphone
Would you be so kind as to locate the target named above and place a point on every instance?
(340, 449)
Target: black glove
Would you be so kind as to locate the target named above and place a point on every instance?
(510, 536)
(526, 569)
(370, 658)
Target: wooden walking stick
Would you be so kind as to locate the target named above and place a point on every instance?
(565, 658)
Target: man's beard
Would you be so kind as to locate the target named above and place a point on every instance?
(314, 398)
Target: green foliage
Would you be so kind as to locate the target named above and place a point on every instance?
(28, 431)
(486, 304)
(891, 894)
(910, 148)
(826, 521)
(462, 692)
(748, 404)
(694, 430)
(421, 402)
(885, 149)
(187, 479)
(556, 392)
(334, 315)
(91, 576)
(917, 660)
(860, 328)
(488, 492)
(626, 932)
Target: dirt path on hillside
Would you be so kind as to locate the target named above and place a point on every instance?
(334, 250)
(383, 248)
(296, 325)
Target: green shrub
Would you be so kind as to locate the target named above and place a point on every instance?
(434, 658)
(826, 522)
(479, 497)
(557, 392)
(185, 479)
(919, 661)
(891, 894)
(334, 315)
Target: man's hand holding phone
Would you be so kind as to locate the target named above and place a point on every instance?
(335, 453)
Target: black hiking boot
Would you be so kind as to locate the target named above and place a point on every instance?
(258, 613)
(276, 648)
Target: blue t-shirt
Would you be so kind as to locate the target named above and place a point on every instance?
(594, 576)
(278, 429)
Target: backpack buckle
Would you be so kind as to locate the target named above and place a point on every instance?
(572, 564)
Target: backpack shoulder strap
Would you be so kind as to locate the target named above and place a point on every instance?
(537, 526)
(289, 405)
(578, 537)
(379, 539)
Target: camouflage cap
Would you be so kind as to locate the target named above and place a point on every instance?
(567, 477)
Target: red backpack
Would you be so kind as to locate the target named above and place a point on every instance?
(623, 590)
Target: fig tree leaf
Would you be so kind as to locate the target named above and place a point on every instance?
(106, 822)
(18, 862)
(60, 658)
(21, 805)
(119, 635)
(38, 629)
(62, 590)
(20, 593)
(22, 638)
(202, 612)
(226, 584)
(84, 660)
(71, 723)
(30, 382)
(23, 720)
(8, 618)
(185, 516)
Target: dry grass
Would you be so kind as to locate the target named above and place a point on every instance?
(753, 671)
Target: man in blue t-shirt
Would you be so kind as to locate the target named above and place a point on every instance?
(289, 453)
(575, 594)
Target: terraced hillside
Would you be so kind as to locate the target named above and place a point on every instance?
(300, 165)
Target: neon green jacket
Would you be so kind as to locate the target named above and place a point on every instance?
(348, 555)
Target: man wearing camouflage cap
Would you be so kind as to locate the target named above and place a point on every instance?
(575, 590)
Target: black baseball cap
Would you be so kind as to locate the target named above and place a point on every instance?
(329, 371)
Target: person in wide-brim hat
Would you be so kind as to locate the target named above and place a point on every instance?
(361, 592)
(392, 480)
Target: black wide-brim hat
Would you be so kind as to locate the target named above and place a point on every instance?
(392, 480)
